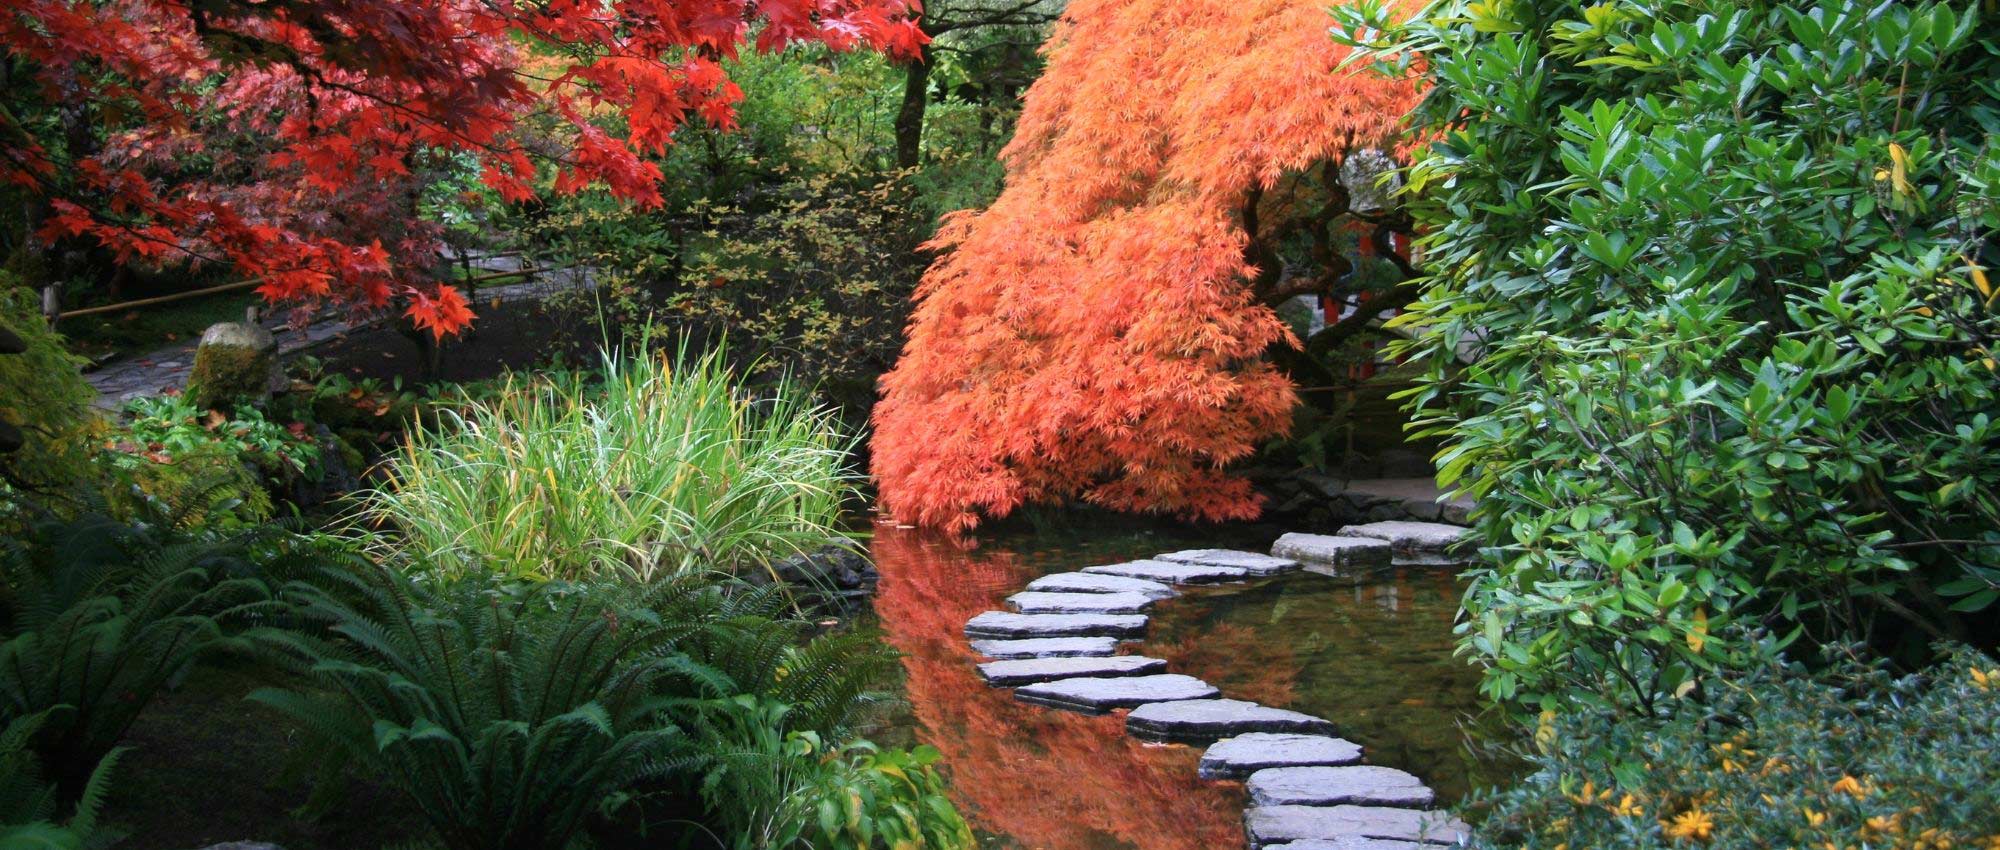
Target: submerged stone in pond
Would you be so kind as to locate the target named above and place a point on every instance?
(1364, 785)
(1096, 696)
(1027, 671)
(1006, 624)
(1332, 551)
(1208, 719)
(1058, 647)
(1257, 564)
(1431, 537)
(1233, 758)
(1096, 583)
(1268, 825)
(1038, 602)
(1170, 572)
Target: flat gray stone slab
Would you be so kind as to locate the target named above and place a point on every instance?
(1168, 572)
(1203, 720)
(1058, 647)
(1039, 602)
(1234, 758)
(1097, 696)
(1350, 842)
(1361, 785)
(1268, 825)
(1096, 583)
(1432, 537)
(1329, 550)
(1006, 624)
(1027, 671)
(1256, 563)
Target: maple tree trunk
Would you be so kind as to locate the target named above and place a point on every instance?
(910, 118)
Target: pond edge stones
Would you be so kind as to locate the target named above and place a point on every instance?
(1013, 672)
(1097, 696)
(1242, 755)
(1006, 624)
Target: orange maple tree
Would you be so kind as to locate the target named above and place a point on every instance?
(1099, 332)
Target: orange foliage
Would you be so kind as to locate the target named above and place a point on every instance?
(1091, 334)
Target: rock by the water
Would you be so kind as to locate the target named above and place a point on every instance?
(1268, 825)
(1427, 537)
(235, 362)
(1039, 602)
(1007, 624)
(1332, 551)
(1057, 647)
(1203, 720)
(1027, 671)
(1256, 563)
(1347, 842)
(1234, 758)
(1097, 696)
(1168, 572)
(841, 565)
(1361, 785)
(1096, 583)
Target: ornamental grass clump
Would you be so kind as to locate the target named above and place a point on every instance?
(654, 466)
(1851, 757)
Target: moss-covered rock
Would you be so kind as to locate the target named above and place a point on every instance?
(236, 363)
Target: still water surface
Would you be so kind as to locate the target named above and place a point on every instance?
(1374, 657)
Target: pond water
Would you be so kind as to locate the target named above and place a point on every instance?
(1373, 656)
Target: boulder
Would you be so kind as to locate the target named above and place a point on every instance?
(235, 363)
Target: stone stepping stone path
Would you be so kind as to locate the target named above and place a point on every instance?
(1255, 563)
(1362, 785)
(1039, 602)
(1006, 624)
(1238, 757)
(1168, 572)
(1014, 672)
(1056, 647)
(1099, 583)
(1308, 789)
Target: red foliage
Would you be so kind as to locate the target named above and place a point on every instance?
(1091, 334)
(339, 97)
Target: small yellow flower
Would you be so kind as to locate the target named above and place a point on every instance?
(1814, 818)
(1985, 679)
(1628, 807)
(1693, 823)
(1851, 787)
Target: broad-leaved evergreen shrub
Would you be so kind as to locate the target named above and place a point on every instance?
(1710, 326)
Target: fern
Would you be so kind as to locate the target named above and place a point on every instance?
(28, 801)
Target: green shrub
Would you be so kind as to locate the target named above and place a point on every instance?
(1708, 326)
(43, 394)
(1852, 758)
(513, 713)
(654, 467)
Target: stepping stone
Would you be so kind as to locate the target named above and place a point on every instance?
(1331, 551)
(1057, 647)
(1257, 564)
(1204, 720)
(1348, 842)
(1410, 536)
(1268, 825)
(1027, 671)
(1361, 785)
(1234, 758)
(1006, 624)
(1097, 696)
(1094, 583)
(1171, 573)
(1038, 602)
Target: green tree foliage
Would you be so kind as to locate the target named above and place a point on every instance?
(41, 394)
(1709, 327)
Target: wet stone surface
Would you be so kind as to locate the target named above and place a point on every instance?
(1256, 563)
(1364, 785)
(1039, 602)
(1425, 537)
(1332, 550)
(1058, 647)
(1097, 696)
(1349, 842)
(1026, 671)
(1168, 572)
(1268, 825)
(1234, 758)
(1006, 624)
(1097, 583)
(1209, 719)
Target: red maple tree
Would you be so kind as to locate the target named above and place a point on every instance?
(1099, 331)
(338, 99)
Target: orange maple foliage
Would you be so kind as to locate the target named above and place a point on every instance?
(1092, 334)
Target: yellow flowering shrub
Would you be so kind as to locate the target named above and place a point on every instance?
(1850, 758)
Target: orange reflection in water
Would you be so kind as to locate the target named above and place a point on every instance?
(1051, 780)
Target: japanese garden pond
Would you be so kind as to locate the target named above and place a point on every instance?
(1373, 655)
